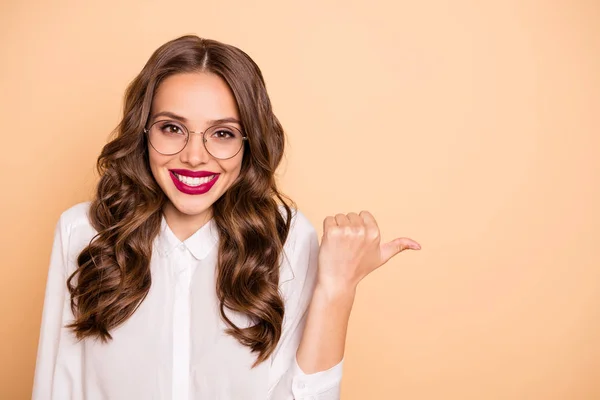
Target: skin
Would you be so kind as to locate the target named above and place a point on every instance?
(351, 246)
(200, 98)
(351, 249)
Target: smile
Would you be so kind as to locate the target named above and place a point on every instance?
(193, 182)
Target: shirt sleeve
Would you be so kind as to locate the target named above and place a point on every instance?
(287, 380)
(49, 382)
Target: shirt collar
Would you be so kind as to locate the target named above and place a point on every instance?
(199, 244)
(203, 241)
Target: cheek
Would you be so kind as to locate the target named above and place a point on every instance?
(234, 166)
(154, 162)
(157, 162)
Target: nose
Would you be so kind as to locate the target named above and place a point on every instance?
(195, 153)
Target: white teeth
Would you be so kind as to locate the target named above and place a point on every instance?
(194, 181)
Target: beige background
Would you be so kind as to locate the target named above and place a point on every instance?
(471, 127)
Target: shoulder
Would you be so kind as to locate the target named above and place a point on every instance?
(75, 216)
(75, 220)
(300, 253)
(302, 231)
(75, 228)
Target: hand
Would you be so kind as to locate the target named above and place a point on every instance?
(351, 249)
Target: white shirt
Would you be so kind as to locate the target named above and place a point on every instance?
(174, 346)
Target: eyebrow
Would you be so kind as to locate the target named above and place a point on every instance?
(172, 115)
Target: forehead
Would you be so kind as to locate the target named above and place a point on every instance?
(196, 96)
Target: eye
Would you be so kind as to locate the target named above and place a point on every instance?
(223, 133)
(171, 128)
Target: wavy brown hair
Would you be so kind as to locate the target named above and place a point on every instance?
(113, 275)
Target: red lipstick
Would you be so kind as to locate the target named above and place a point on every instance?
(188, 189)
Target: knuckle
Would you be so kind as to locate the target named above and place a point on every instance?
(333, 232)
(373, 234)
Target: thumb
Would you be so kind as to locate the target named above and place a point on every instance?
(390, 249)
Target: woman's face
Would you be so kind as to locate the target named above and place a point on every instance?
(193, 179)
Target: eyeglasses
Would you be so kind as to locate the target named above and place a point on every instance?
(170, 137)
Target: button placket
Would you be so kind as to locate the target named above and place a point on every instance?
(181, 323)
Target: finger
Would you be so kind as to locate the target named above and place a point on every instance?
(328, 223)
(369, 220)
(370, 224)
(355, 220)
(342, 220)
(389, 250)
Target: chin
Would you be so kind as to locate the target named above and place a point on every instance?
(191, 208)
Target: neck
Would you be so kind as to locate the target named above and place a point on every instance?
(184, 225)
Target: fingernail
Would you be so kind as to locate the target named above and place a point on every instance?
(415, 246)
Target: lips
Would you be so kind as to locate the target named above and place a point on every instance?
(193, 182)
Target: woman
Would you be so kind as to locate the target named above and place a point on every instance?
(189, 276)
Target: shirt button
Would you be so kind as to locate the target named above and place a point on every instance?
(301, 385)
(181, 247)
